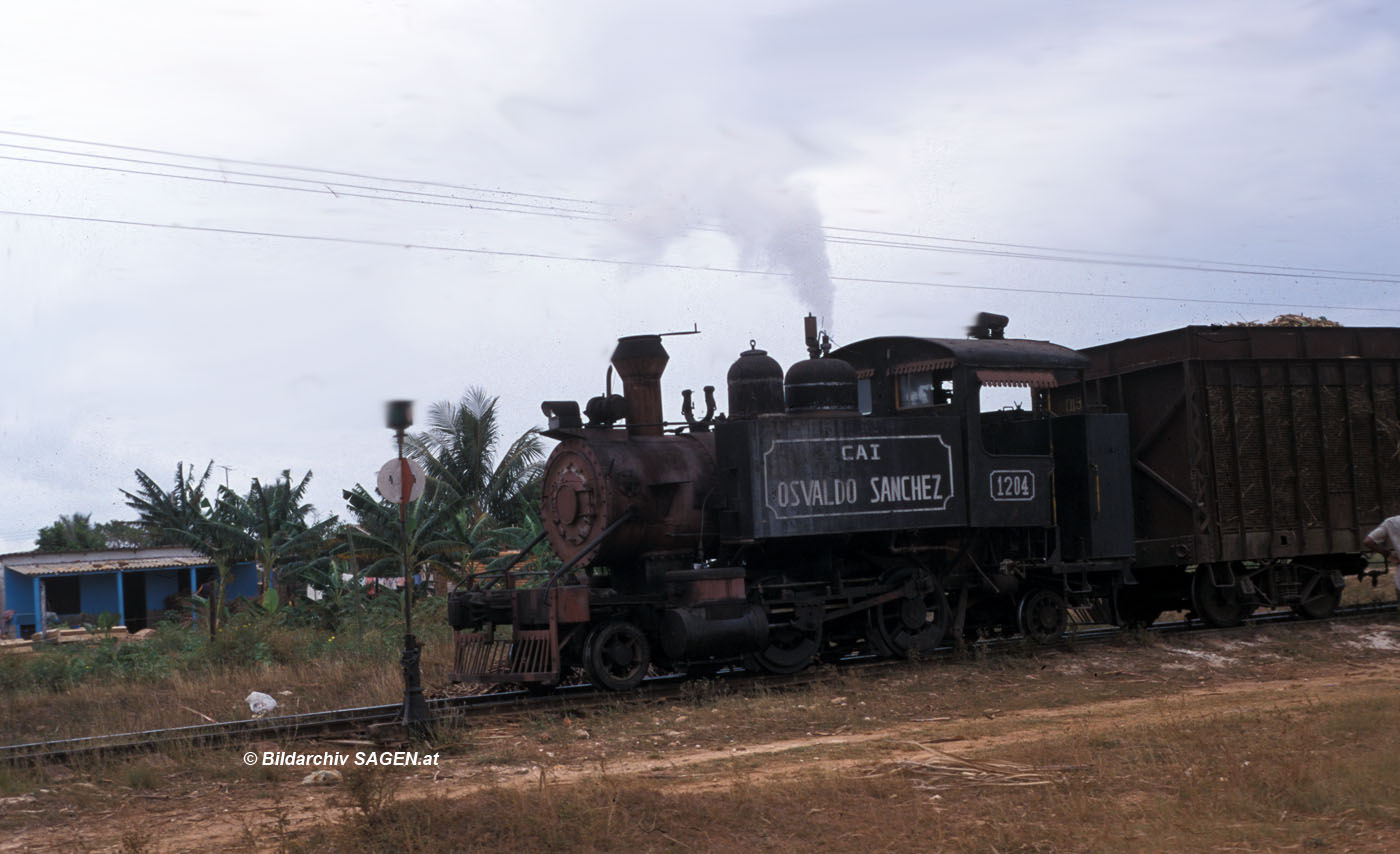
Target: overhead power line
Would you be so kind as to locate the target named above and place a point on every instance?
(1107, 254)
(321, 189)
(596, 211)
(318, 185)
(266, 164)
(545, 256)
(1202, 267)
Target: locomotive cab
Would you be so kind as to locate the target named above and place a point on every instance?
(1008, 452)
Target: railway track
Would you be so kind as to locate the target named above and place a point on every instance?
(336, 722)
(387, 719)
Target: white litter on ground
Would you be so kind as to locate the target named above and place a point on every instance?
(260, 704)
(1378, 640)
(1252, 647)
(1210, 658)
(322, 777)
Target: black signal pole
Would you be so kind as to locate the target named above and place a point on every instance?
(415, 710)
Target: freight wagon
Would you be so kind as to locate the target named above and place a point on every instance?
(1260, 458)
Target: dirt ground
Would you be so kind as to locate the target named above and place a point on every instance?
(961, 711)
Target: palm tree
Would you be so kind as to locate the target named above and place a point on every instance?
(186, 516)
(275, 517)
(378, 546)
(74, 533)
(458, 453)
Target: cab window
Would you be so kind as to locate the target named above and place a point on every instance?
(1010, 424)
(924, 389)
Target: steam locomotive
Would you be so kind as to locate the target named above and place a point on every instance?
(869, 499)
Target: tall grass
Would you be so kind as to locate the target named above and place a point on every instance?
(179, 676)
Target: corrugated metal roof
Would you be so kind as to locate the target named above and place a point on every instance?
(73, 563)
(979, 353)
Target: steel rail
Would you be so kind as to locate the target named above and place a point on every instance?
(302, 725)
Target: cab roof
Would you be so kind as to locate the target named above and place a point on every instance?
(972, 352)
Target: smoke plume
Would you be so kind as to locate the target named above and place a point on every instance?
(749, 195)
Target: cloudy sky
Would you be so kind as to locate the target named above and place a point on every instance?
(231, 230)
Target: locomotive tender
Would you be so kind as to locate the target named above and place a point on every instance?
(864, 499)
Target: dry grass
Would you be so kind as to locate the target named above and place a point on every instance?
(1294, 774)
(1256, 740)
(303, 669)
(1250, 781)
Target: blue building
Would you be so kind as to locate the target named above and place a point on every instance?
(135, 584)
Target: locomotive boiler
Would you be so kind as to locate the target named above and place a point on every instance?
(876, 498)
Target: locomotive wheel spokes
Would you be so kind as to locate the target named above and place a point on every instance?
(1043, 615)
(616, 656)
(1217, 606)
(917, 621)
(1318, 598)
(790, 649)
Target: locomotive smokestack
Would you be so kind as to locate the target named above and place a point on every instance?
(640, 361)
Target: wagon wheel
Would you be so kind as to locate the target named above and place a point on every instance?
(1217, 606)
(1043, 615)
(789, 650)
(616, 656)
(1319, 597)
(915, 622)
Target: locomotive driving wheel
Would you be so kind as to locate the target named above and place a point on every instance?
(790, 649)
(616, 656)
(1043, 615)
(915, 622)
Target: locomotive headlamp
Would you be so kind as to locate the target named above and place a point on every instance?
(399, 415)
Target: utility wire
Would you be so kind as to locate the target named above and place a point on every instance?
(1107, 254)
(1203, 267)
(320, 185)
(1063, 255)
(670, 266)
(378, 194)
(266, 164)
(323, 190)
